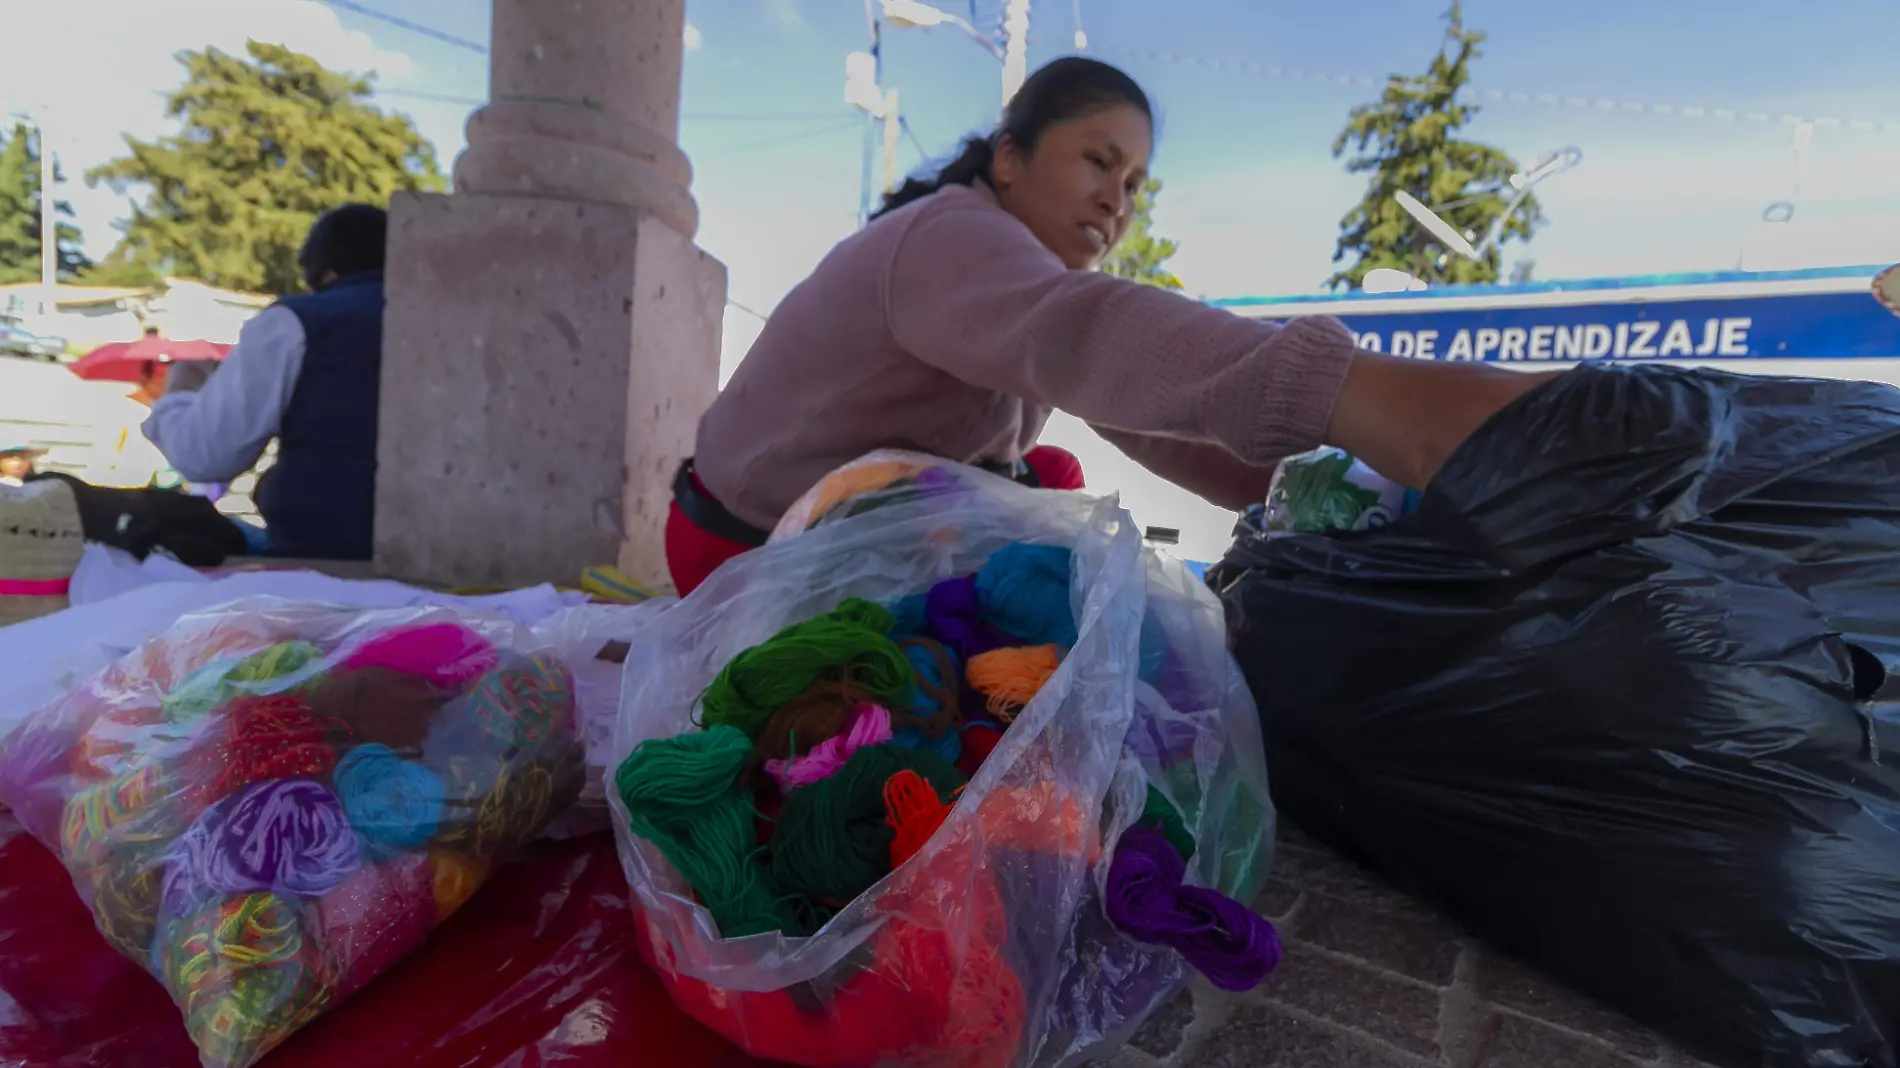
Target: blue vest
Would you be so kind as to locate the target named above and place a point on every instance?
(319, 500)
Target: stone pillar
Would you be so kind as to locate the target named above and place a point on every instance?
(552, 333)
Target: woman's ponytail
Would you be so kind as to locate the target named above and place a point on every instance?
(972, 162)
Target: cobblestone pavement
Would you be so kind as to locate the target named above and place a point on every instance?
(1372, 979)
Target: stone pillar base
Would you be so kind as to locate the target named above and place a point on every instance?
(545, 365)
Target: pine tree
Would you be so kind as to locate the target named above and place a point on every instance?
(1405, 142)
(267, 144)
(1140, 256)
(20, 243)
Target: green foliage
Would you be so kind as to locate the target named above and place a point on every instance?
(20, 212)
(1405, 142)
(1140, 256)
(265, 146)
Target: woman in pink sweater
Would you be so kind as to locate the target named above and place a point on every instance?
(969, 309)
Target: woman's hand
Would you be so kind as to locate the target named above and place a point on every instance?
(1405, 417)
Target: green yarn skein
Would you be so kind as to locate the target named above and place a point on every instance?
(205, 689)
(683, 794)
(833, 842)
(1159, 809)
(854, 636)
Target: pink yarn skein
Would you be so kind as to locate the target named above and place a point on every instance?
(871, 726)
(449, 655)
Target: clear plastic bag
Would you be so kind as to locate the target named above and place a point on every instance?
(1329, 489)
(274, 802)
(991, 945)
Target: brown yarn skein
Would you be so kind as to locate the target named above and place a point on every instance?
(394, 708)
(948, 696)
(822, 711)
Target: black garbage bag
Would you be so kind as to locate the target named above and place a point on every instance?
(1616, 695)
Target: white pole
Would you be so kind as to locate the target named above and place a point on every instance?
(1015, 48)
(49, 219)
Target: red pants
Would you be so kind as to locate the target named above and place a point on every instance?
(692, 553)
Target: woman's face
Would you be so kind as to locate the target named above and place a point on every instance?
(15, 465)
(1076, 191)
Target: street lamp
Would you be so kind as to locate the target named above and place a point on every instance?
(1553, 163)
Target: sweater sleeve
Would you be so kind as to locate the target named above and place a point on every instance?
(1202, 468)
(970, 291)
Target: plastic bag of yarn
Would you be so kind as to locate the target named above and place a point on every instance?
(273, 803)
(540, 969)
(1328, 489)
(870, 482)
(992, 941)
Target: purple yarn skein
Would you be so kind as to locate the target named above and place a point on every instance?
(1148, 902)
(285, 836)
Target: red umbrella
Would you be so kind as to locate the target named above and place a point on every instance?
(126, 361)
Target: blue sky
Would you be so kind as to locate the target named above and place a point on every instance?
(1253, 193)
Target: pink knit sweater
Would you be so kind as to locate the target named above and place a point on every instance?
(945, 327)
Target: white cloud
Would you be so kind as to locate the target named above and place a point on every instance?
(693, 41)
(785, 12)
(126, 65)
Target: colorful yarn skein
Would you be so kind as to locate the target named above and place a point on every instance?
(448, 655)
(872, 726)
(1160, 813)
(1011, 677)
(492, 807)
(137, 806)
(286, 836)
(949, 746)
(522, 703)
(855, 636)
(379, 705)
(244, 974)
(834, 837)
(933, 704)
(954, 617)
(1148, 900)
(125, 898)
(273, 669)
(454, 878)
(394, 804)
(683, 795)
(1023, 590)
(913, 811)
(263, 737)
(978, 741)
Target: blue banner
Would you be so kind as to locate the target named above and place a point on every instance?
(1813, 326)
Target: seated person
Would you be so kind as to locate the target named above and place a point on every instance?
(305, 371)
(16, 458)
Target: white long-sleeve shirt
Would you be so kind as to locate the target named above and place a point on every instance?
(220, 431)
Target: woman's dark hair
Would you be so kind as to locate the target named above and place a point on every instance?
(345, 240)
(1069, 88)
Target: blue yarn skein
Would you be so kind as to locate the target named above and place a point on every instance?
(929, 676)
(394, 804)
(949, 746)
(1024, 592)
(908, 619)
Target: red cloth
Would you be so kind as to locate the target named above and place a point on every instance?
(693, 554)
(1058, 469)
(540, 968)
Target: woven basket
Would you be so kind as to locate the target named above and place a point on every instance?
(41, 541)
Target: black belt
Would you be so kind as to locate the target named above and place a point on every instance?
(712, 517)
